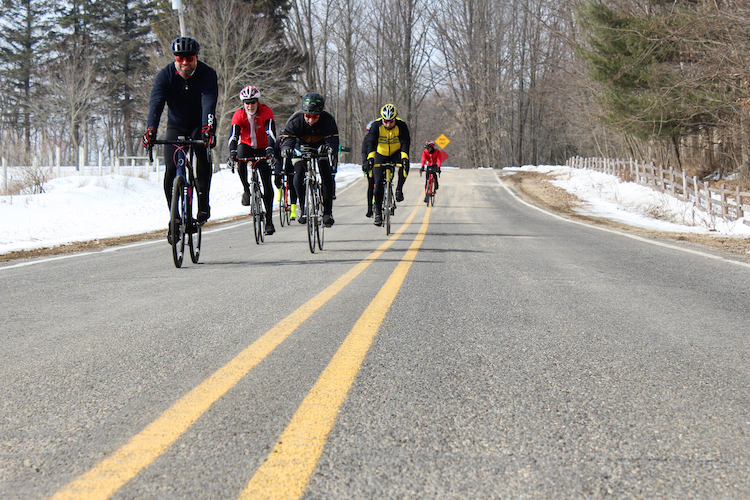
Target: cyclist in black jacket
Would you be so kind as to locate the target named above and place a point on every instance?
(190, 89)
(316, 128)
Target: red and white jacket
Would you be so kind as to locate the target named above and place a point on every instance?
(259, 134)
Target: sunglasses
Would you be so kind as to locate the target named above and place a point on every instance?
(251, 101)
(389, 121)
(185, 59)
(309, 116)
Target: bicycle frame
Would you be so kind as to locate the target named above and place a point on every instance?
(257, 205)
(313, 198)
(182, 222)
(388, 207)
(430, 186)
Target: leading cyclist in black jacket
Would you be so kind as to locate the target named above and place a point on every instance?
(190, 89)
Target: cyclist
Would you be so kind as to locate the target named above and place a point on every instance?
(368, 171)
(190, 89)
(433, 159)
(286, 168)
(387, 141)
(254, 134)
(312, 127)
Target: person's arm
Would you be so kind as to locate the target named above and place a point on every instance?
(209, 97)
(371, 140)
(405, 139)
(156, 101)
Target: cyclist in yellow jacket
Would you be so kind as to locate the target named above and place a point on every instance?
(387, 141)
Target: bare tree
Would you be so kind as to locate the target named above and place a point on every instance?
(75, 92)
(244, 50)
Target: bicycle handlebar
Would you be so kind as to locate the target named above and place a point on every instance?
(175, 142)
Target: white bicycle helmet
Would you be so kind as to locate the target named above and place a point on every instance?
(388, 112)
(249, 92)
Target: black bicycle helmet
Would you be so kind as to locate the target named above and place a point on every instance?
(313, 103)
(185, 46)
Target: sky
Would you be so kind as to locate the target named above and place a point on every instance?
(85, 208)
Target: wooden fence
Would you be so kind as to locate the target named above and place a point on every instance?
(715, 200)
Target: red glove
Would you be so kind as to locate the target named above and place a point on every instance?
(208, 136)
(149, 137)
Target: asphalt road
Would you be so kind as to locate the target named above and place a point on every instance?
(487, 349)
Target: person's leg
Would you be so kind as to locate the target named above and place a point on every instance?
(370, 186)
(299, 186)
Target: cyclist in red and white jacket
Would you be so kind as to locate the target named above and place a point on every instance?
(254, 134)
(434, 160)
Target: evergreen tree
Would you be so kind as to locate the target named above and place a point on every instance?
(655, 84)
(128, 42)
(23, 44)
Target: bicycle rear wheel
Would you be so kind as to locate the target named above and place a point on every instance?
(310, 209)
(195, 243)
(319, 227)
(176, 223)
(194, 229)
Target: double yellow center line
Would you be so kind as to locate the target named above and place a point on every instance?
(285, 473)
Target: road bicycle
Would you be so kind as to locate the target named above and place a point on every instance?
(184, 207)
(285, 206)
(313, 197)
(257, 207)
(429, 190)
(388, 208)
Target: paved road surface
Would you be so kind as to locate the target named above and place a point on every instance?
(486, 350)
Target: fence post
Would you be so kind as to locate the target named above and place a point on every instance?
(57, 160)
(685, 196)
(5, 176)
(101, 164)
(671, 180)
(80, 159)
(738, 200)
(724, 207)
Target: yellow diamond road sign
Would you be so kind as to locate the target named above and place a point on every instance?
(442, 141)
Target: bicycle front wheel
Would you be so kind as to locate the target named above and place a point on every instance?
(176, 222)
(319, 226)
(388, 208)
(282, 205)
(256, 211)
(310, 211)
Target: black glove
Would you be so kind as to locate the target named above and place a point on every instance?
(287, 153)
(438, 171)
(421, 170)
(325, 149)
(365, 167)
(232, 161)
(405, 164)
(149, 137)
(370, 163)
(233, 154)
(269, 152)
(277, 181)
(208, 136)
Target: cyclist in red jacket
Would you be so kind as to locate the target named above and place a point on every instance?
(254, 134)
(433, 159)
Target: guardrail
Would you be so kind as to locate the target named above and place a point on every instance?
(715, 200)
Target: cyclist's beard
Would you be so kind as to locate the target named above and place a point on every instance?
(183, 75)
